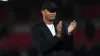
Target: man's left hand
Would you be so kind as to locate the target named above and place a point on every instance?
(71, 27)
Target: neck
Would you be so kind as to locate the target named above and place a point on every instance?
(47, 21)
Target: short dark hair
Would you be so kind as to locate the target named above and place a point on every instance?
(50, 6)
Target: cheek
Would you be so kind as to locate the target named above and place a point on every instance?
(47, 14)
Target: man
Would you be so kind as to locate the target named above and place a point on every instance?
(50, 37)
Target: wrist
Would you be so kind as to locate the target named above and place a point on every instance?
(69, 33)
(58, 35)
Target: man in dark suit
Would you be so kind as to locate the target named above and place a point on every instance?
(49, 36)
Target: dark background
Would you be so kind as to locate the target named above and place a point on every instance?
(16, 17)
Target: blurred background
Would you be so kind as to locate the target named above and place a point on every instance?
(16, 17)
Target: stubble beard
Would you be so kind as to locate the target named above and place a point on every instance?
(52, 19)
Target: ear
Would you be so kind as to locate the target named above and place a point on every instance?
(42, 12)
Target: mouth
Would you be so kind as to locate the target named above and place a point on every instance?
(52, 17)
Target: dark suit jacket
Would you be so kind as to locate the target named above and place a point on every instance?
(46, 43)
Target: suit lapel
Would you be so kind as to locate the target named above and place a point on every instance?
(46, 32)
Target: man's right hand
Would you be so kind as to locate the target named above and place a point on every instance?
(59, 29)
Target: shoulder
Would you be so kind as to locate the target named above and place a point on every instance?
(36, 26)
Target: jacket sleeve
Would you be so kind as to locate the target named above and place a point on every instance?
(68, 39)
(42, 44)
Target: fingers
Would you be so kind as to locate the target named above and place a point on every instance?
(60, 23)
(59, 28)
(73, 23)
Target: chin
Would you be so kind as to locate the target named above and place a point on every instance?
(52, 20)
